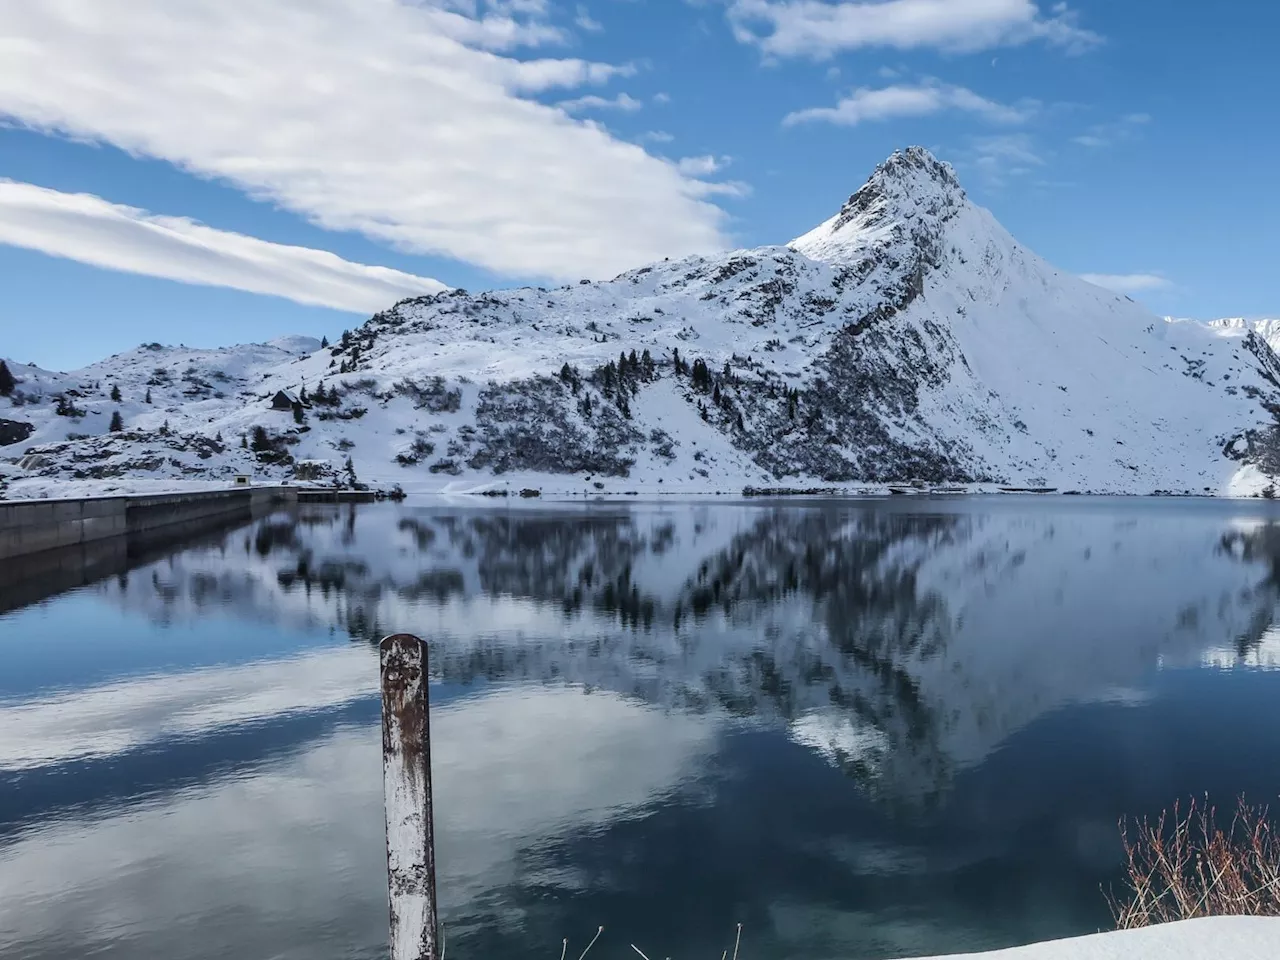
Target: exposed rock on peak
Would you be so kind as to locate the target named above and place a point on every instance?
(907, 200)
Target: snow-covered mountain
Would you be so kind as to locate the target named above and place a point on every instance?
(907, 337)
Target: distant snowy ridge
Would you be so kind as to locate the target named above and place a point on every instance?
(1268, 330)
(908, 337)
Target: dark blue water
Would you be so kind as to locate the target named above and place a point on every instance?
(861, 729)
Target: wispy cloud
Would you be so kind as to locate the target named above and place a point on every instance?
(409, 123)
(998, 158)
(1127, 283)
(623, 102)
(1106, 134)
(583, 21)
(918, 100)
(818, 29)
(1090, 140)
(91, 230)
(1016, 148)
(657, 136)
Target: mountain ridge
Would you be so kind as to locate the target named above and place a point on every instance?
(907, 337)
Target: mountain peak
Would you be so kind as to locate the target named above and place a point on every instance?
(913, 165)
(908, 198)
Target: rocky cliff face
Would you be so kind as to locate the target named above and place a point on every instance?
(907, 337)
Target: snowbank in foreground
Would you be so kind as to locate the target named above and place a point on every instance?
(1213, 938)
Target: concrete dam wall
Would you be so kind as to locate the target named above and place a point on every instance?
(34, 526)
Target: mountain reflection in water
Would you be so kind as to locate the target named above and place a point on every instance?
(864, 729)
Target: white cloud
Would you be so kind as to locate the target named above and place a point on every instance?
(86, 228)
(584, 21)
(920, 100)
(729, 188)
(393, 119)
(1090, 140)
(657, 136)
(661, 97)
(622, 101)
(702, 166)
(817, 29)
(1127, 282)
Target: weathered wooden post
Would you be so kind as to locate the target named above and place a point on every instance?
(406, 787)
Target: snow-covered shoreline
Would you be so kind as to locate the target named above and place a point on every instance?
(550, 488)
(1211, 938)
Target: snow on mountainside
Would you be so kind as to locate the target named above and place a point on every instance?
(908, 337)
(1268, 330)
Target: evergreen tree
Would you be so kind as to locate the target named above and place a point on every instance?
(244, 442)
(646, 365)
(218, 436)
(634, 362)
(298, 415)
(164, 429)
(7, 383)
(115, 392)
(676, 363)
(350, 469)
(302, 394)
(147, 398)
(566, 373)
(701, 376)
(260, 440)
(117, 422)
(715, 396)
(324, 342)
(741, 425)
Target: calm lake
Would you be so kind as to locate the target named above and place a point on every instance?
(863, 729)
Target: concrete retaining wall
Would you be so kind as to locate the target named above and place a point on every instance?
(33, 526)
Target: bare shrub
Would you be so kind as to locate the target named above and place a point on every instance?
(1184, 866)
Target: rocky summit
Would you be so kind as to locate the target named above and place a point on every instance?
(907, 338)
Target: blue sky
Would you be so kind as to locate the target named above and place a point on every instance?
(216, 172)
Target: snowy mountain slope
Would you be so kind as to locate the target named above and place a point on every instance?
(908, 337)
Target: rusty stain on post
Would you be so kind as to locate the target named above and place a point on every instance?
(406, 785)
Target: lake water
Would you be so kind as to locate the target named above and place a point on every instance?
(862, 729)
